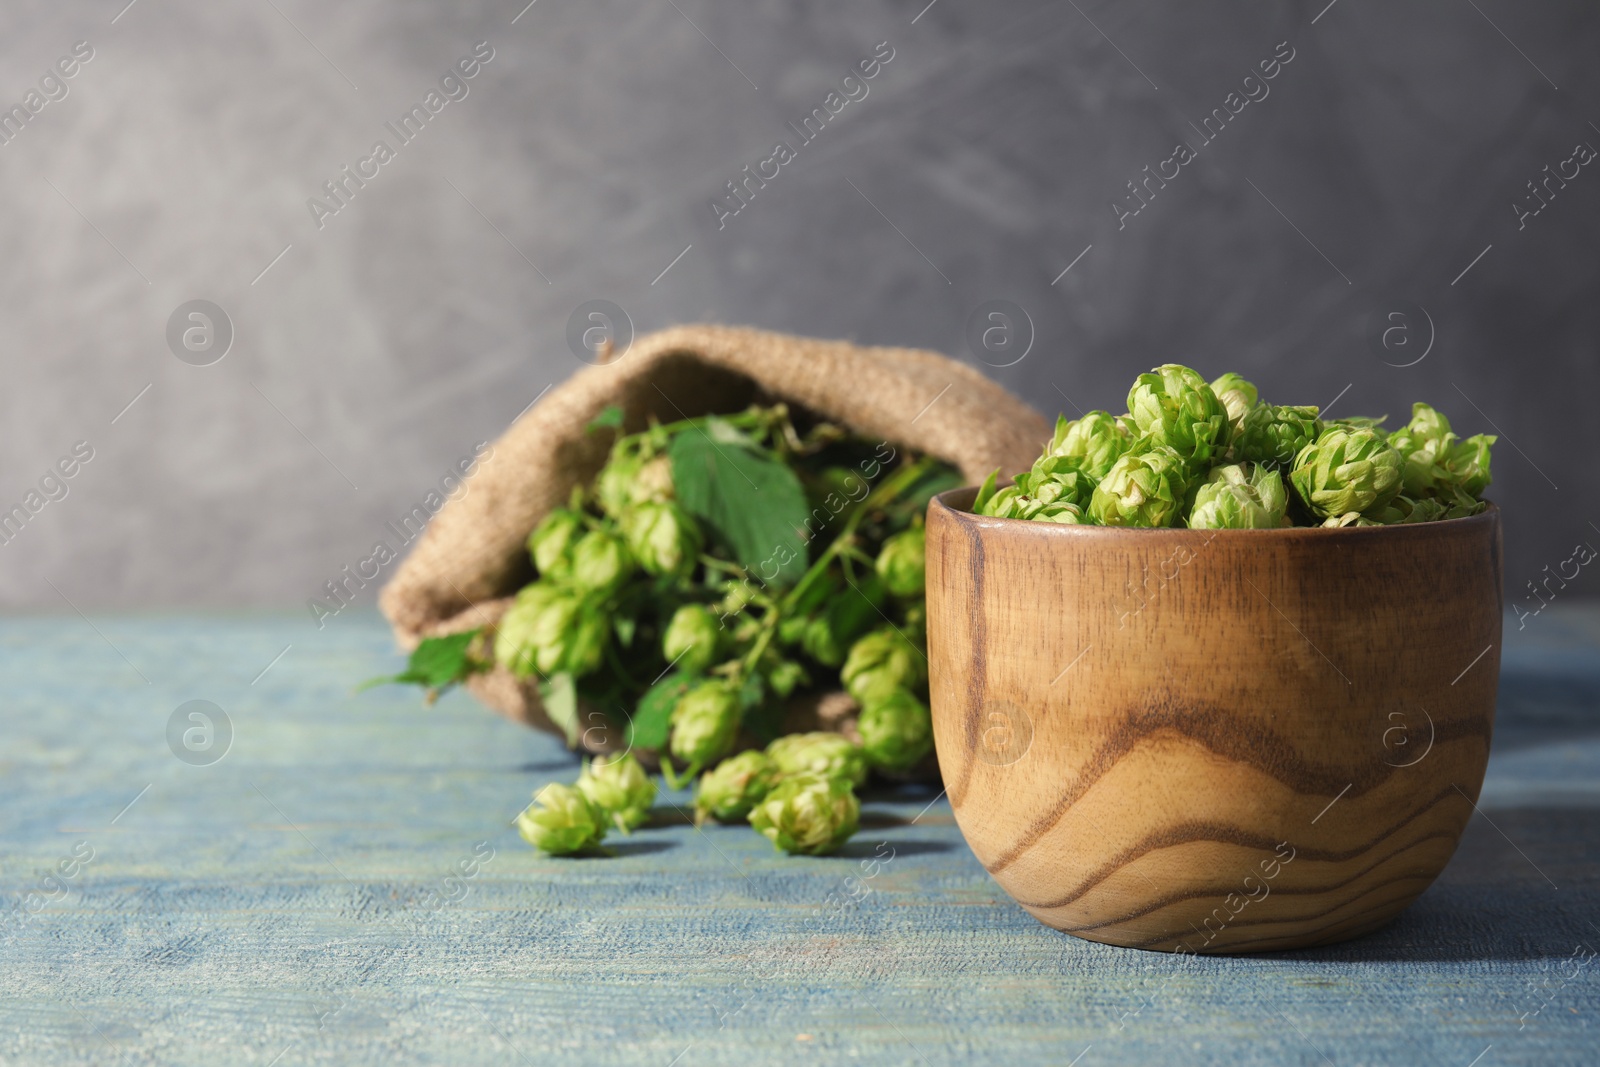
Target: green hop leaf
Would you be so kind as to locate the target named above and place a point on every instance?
(619, 787)
(662, 537)
(752, 501)
(552, 541)
(896, 731)
(1238, 396)
(1274, 434)
(549, 629)
(819, 753)
(561, 821)
(692, 638)
(705, 723)
(1240, 497)
(1096, 441)
(848, 615)
(1145, 487)
(1346, 470)
(985, 492)
(610, 418)
(902, 562)
(437, 663)
(1173, 406)
(730, 789)
(881, 662)
(808, 815)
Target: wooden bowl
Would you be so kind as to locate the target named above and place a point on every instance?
(1212, 740)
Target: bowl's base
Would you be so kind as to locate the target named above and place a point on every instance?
(1246, 940)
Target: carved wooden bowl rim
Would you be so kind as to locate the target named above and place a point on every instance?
(957, 502)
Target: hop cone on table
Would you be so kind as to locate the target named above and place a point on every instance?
(808, 814)
(730, 789)
(821, 754)
(618, 786)
(561, 821)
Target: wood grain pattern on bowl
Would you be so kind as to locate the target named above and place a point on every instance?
(1212, 741)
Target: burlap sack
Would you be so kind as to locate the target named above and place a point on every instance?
(472, 558)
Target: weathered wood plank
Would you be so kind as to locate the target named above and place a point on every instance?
(276, 903)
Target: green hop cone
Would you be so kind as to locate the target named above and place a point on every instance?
(662, 537)
(896, 731)
(880, 663)
(1423, 444)
(561, 821)
(821, 642)
(1054, 504)
(1274, 434)
(705, 723)
(1403, 510)
(902, 562)
(1006, 503)
(784, 676)
(1468, 464)
(1146, 487)
(654, 483)
(730, 789)
(552, 540)
(1064, 514)
(1349, 518)
(1346, 469)
(549, 629)
(1436, 461)
(613, 487)
(820, 753)
(808, 815)
(1096, 440)
(1173, 406)
(633, 475)
(1238, 396)
(1238, 497)
(1057, 480)
(600, 562)
(619, 787)
(692, 638)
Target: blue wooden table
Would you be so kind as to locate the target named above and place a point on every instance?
(342, 886)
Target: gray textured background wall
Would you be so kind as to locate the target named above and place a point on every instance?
(985, 160)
